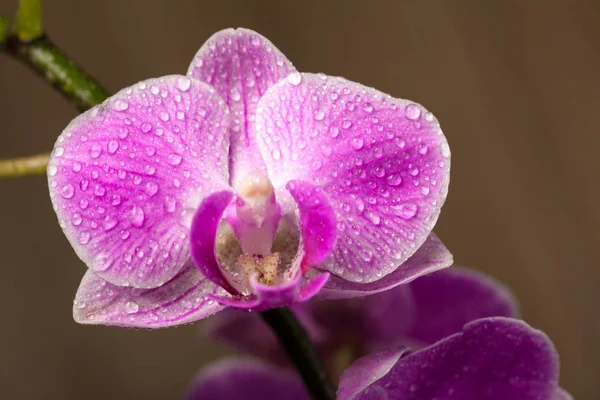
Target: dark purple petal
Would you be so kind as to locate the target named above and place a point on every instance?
(179, 301)
(241, 65)
(430, 257)
(364, 376)
(246, 379)
(383, 163)
(124, 175)
(446, 300)
(203, 236)
(317, 222)
(493, 358)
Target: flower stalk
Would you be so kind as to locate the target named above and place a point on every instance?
(28, 22)
(301, 352)
(28, 44)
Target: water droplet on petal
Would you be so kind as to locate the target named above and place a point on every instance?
(320, 115)
(394, 179)
(412, 112)
(120, 105)
(151, 188)
(170, 204)
(406, 210)
(52, 170)
(174, 159)
(59, 151)
(109, 223)
(150, 151)
(113, 145)
(77, 219)
(164, 116)
(67, 191)
(84, 237)
(294, 78)
(95, 150)
(368, 107)
(445, 150)
(131, 307)
(76, 166)
(373, 217)
(276, 154)
(358, 143)
(99, 190)
(137, 216)
(184, 83)
(146, 127)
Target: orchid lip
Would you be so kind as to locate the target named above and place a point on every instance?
(254, 219)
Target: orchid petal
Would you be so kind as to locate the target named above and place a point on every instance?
(449, 299)
(430, 257)
(203, 237)
(246, 379)
(317, 222)
(181, 300)
(383, 162)
(241, 65)
(124, 175)
(493, 358)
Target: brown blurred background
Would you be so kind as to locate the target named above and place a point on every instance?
(514, 83)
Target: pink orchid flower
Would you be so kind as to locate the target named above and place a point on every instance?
(246, 184)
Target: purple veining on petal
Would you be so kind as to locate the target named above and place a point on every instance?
(447, 300)
(123, 176)
(241, 65)
(430, 257)
(203, 236)
(492, 358)
(317, 222)
(383, 162)
(181, 300)
(246, 379)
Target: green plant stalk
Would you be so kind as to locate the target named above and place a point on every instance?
(59, 70)
(28, 21)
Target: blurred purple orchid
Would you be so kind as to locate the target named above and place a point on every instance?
(246, 184)
(447, 336)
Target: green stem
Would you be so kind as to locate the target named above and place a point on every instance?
(298, 346)
(58, 69)
(28, 22)
(4, 28)
(16, 167)
(48, 61)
